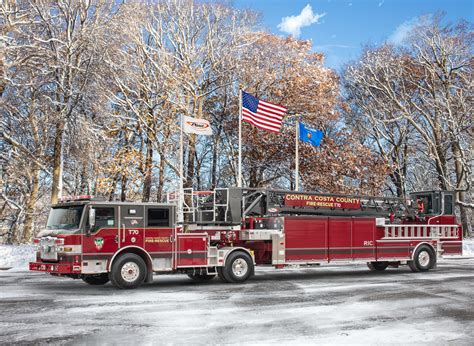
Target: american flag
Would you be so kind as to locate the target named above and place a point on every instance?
(266, 115)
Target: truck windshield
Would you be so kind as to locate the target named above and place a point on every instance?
(66, 218)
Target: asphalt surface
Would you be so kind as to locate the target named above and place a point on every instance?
(330, 304)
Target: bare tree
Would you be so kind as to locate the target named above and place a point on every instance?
(425, 87)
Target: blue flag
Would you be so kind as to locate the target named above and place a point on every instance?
(310, 136)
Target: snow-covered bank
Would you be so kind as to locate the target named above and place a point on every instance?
(468, 247)
(16, 257)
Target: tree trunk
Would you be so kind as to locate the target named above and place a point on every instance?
(84, 186)
(161, 167)
(148, 163)
(161, 181)
(460, 179)
(188, 179)
(214, 164)
(215, 158)
(57, 161)
(123, 188)
(30, 206)
(441, 155)
(197, 172)
(253, 178)
(114, 187)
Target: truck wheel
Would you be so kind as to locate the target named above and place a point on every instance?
(128, 271)
(238, 267)
(412, 266)
(377, 266)
(99, 279)
(221, 274)
(201, 277)
(424, 259)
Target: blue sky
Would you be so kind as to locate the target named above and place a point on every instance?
(340, 28)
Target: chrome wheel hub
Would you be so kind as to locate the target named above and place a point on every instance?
(239, 267)
(130, 271)
(424, 258)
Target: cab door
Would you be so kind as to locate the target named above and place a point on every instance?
(101, 241)
(159, 236)
(132, 222)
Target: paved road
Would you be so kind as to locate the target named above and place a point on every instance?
(330, 304)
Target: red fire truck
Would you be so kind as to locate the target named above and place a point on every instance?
(226, 232)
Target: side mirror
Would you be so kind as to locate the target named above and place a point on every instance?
(91, 219)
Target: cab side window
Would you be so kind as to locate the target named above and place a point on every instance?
(448, 204)
(158, 217)
(104, 217)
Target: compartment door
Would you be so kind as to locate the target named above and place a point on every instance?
(306, 239)
(192, 249)
(339, 234)
(363, 239)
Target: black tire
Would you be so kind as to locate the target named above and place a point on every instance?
(128, 271)
(222, 275)
(238, 267)
(96, 280)
(412, 266)
(377, 266)
(424, 259)
(201, 277)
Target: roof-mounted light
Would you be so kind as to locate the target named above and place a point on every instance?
(75, 198)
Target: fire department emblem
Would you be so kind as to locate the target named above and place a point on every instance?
(99, 242)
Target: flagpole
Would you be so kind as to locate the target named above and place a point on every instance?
(239, 177)
(297, 156)
(181, 188)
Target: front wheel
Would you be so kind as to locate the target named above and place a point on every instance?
(96, 280)
(128, 271)
(238, 267)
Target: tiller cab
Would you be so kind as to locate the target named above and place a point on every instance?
(227, 232)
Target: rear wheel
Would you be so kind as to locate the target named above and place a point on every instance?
(128, 271)
(377, 266)
(238, 267)
(423, 260)
(99, 279)
(222, 275)
(412, 266)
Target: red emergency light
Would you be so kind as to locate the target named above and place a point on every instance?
(76, 198)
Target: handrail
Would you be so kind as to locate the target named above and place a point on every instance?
(197, 202)
(410, 231)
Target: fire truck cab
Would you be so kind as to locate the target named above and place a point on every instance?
(226, 232)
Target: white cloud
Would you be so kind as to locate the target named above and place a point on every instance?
(292, 24)
(403, 31)
(381, 3)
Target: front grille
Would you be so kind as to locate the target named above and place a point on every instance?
(48, 249)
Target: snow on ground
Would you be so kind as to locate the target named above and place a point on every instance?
(328, 305)
(468, 247)
(16, 258)
(332, 304)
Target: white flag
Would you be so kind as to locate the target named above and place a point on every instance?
(197, 126)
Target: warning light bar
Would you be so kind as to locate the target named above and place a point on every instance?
(75, 198)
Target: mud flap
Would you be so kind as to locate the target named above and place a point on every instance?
(149, 277)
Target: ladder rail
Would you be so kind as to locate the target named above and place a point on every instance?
(417, 231)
